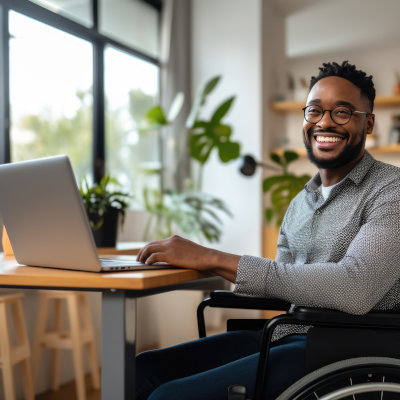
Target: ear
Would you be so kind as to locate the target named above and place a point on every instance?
(370, 122)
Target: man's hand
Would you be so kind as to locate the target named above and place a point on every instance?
(187, 254)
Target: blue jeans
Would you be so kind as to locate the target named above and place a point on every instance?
(203, 369)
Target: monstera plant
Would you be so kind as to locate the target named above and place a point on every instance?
(191, 211)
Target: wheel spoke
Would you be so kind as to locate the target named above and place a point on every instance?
(351, 384)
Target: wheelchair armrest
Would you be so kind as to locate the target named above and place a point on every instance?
(228, 299)
(322, 316)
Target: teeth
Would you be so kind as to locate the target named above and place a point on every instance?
(329, 139)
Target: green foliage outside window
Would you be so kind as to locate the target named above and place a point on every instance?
(50, 135)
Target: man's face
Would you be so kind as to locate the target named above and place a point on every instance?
(328, 144)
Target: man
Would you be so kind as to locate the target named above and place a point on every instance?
(337, 249)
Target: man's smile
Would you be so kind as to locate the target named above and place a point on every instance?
(328, 141)
(325, 139)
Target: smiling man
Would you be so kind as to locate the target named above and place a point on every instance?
(338, 248)
(337, 118)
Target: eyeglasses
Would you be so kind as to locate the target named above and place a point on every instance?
(340, 115)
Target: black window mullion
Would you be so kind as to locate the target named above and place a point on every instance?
(4, 87)
(98, 111)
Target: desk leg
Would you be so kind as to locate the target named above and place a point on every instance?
(118, 346)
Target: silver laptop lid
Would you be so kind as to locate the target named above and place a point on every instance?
(44, 215)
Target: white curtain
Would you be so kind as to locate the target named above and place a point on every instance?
(175, 77)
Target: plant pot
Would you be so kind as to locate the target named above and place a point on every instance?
(106, 235)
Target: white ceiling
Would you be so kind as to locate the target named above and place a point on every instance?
(324, 26)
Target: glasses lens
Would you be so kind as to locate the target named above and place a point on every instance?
(313, 114)
(341, 115)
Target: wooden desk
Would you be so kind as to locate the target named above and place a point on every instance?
(119, 292)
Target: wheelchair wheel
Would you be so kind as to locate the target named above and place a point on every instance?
(365, 378)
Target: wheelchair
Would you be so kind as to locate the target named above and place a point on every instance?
(351, 357)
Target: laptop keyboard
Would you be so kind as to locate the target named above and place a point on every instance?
(109, 262)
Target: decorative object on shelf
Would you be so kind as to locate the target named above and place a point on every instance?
(291, 87)
(104, 204)
(371, 141)
(301, 92)
(394, 136)
(190, 211)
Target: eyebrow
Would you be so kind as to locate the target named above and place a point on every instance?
(338, 103)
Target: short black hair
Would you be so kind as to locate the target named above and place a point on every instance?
(352, 74)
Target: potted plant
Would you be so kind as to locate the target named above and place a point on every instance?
(104, 204)
(280, 189)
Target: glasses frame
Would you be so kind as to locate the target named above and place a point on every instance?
(330, 114)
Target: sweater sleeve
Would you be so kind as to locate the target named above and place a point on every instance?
(355, 284)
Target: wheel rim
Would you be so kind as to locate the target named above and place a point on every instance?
(362, 388)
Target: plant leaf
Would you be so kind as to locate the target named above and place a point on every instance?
(222, 132)
(200, 99)
(221, 111)
(209, 87)
(269, 214)
(200, 147)
(269, 182)
(228, 151)
(156, 116)
(290, 156)
(276, 158)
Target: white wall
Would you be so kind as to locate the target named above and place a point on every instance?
(326, 26)
(226, 40)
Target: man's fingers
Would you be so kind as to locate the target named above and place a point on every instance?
(154, 257)
(147, 251)
(144, 249)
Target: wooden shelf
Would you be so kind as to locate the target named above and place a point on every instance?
(296, 106)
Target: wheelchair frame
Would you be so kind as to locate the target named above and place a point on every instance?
(299, 316)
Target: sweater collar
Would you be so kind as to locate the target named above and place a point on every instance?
(356, 175)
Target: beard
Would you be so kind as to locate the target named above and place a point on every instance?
(349, 153)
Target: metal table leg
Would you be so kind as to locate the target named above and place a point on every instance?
(118, 346)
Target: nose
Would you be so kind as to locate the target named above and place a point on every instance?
(326, 120)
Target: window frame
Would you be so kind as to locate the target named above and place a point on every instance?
(90, 34)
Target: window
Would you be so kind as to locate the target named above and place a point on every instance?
(51, 75)
(78, 10)
(131, 88)
(132, 22)
(75, 82)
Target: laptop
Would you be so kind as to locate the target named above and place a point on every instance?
(46, 219)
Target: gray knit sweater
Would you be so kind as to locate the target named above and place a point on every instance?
(341, 253)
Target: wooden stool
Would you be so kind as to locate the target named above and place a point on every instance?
(14, 354)
(80, 333)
